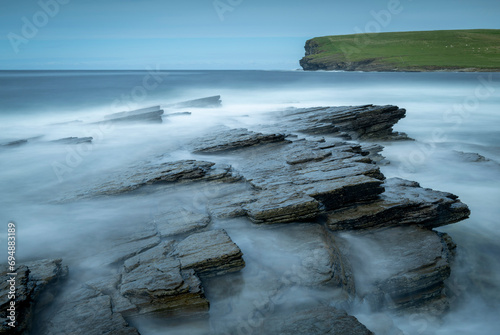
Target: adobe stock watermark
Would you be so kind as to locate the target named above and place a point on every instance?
(31, 26)
(223, 6)
(76, 153)
(381, 19)
(453, 116)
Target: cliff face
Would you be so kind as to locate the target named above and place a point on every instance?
(446, 50)
(311, 63)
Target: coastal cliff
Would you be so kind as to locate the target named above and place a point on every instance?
(447, 50)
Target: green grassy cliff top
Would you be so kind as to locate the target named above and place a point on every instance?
(472, 50)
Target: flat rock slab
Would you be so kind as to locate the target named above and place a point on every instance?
(233, 139)
(148, 115)
(294, 181)
(86, 311)
(210, 253)
(316, 321)
(180, 222)
(160, 171)
(73, 140)
(400, 267)
(32, 280)
(208, 102)
(133, 112)
(160, 287)
(403, 203)
(366, 122)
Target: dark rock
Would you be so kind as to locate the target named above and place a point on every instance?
(74, 140)
(296, 181)
(366, 122)
(66, 123)
(401, 268)
(159, 287)
(208, 102)
(149, 115)
(316, 321)
(403, 203)
(86, 311)
(153, 283)
(148, 173)
(180, 222)
(210, 253)
(232, 139)
(133, 113)
(471, 157)
(177, 113)
(32, 281)
(15, 143)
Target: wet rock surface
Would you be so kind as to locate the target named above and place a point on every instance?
(160, 171)
(353, 231)
(233, 139)
(32, 282)
(403, 203)
(316, 321)
(366, 122)
(208, 102)
(73, 140)
(85, 311)
(410, 274)
(209, 253)
(471, 157)
(149, 115)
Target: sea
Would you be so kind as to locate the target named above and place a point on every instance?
(454, 119)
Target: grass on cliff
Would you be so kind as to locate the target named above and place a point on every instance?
(446, 49)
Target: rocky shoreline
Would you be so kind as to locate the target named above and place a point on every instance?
(311, 175)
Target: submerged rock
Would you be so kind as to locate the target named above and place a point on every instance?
(85, 311)
(208, 102)
(19, 142)
(15, 143)
(149, 115)
(471, 157)
(401, 268)
(74, 140)
(315, 321)
(33, 280)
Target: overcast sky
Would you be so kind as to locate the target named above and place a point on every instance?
(207, 34)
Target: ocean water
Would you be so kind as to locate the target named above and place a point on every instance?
(447, 113)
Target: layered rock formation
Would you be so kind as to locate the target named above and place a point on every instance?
(355, 233)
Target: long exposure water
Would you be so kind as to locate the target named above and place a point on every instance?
(448, 114)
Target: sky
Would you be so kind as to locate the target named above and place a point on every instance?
(207, 34)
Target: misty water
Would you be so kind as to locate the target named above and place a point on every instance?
(447, 113)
